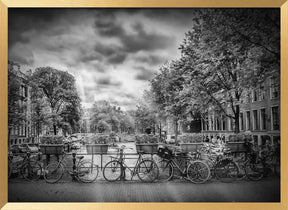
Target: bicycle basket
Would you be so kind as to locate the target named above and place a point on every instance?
(165, 153)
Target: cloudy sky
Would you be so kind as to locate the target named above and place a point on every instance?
(111, 52)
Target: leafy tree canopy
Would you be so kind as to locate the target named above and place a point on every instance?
(58, 89)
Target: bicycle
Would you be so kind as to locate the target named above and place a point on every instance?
(146, 169)
(240, 161)
(31, 170)
(189, 168)
(257, 166)
(85, 171)
(222, 166)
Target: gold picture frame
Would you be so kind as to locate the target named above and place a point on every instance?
(5, 4)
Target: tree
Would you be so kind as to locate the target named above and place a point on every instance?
(71, 116)
(117, 120)
(103, 126)
(59, 91)
(145, 119)
(127, 123)
(227, 53)
(165, 87)
(156, 110)
(39, 116)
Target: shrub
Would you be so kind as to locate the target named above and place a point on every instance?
(191, 138)
(146, 138)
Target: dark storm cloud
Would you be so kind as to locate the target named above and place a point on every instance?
(104, 81)
(57, 47)
(181, 16)
(101, 47)
(107, 81)
(145, 41)
(90, 57)
(21, 20)
(114, 54)
(150, 59)
(107, 49)
(143, 73)
(137, 41)
(99, 67)
(117, 58)
(107, 25)
(26, 59)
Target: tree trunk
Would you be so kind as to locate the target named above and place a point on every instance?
(237, 114)
(38, 132)
(176, 131)
(55, 129)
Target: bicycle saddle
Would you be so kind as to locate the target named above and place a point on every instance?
(80, 157)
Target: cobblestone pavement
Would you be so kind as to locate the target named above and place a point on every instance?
(266, 190)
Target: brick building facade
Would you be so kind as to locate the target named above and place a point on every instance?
(259, 114)
(25, 131)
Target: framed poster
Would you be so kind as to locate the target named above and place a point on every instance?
(110, 53)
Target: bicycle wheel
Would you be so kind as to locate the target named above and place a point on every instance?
(147, 171)
(31, 171)
(87, 172)
(210, 164)
(240, 162)
(112, 171)
(53, 172)
(165, 170)
(254, 170)
(198, 172)
(226, 170)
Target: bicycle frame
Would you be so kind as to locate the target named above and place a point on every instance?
(120, 157)
(179, 166)
(63, 162)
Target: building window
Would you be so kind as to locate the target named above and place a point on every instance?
(247, 97)
(212, 124)
(207, 123)
(255, 95)
(232, 124)
(217, 124)
(255, 120)
(248, 121)
(241, 118)
(25, 129)
(274, 88)
(275, 118)
(223, 122)
(262, 92)
(263, 119)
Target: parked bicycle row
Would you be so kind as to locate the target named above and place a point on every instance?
(197, 167)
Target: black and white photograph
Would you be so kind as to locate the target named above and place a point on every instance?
(144, 105)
